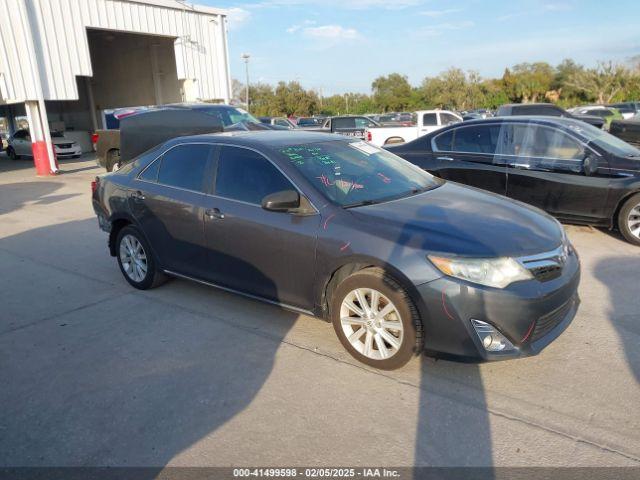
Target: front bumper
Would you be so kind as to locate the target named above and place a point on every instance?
(530, 314)
(68, 152)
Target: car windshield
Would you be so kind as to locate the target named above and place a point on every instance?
(57, 135)
(605, 140)
(357, 173)
(304, 122)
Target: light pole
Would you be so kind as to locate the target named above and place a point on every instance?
(245, 57)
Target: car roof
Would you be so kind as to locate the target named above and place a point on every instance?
(537, 119)
(263, 138)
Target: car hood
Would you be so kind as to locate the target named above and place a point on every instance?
(464, 221)
(58, 140)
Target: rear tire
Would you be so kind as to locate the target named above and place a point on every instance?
(136, 261)
(113, 160)
(629, 220)
(386, 341)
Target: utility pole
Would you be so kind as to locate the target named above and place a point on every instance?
(245, 57)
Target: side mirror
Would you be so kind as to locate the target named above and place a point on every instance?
(281, 201)
(590, 164)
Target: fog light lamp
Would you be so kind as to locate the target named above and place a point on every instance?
(492, 340)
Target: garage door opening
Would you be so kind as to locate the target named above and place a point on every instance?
(131, 69)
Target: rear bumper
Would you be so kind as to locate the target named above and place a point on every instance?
(529, 314)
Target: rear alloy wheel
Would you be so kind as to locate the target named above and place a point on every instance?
(375, 320)
(136, 261)
(629, 220)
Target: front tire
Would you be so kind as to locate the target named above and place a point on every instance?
(375, 320)
(12, 154)
(136, 261)
(629, 220)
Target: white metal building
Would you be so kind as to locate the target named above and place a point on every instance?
(67, 61)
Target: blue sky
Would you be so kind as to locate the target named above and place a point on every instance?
(342, 45)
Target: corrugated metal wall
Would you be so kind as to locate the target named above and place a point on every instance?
(59, 50)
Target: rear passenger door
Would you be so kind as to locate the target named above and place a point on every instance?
(252, 250)
(545, 169)
(168, 201)
(466, 154)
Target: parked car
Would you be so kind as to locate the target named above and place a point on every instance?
(138, 133)
(4, 141)
(398, 260)
(278, 121)
(546, 109)
(574, 171)
(349, 125)
(309, 122)
(608, 114)
(627, 109)
(19, 145)
(627, 130)
(483, 112)
(426, 121)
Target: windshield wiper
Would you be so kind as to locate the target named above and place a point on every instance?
(361, 204)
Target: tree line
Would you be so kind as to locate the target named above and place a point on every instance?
(566, 84)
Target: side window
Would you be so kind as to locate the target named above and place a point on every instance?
(429, 119)
(447, 119)
(282, 123)
(247, 176)
(362, 122)
(348, 122)
(443, 142)
(21, 134)
(477, 139)
(543, 148)
(150, 174)
(540, 141)
(185, 166)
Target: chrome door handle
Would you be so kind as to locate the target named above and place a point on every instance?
(214, 213)
(449, 159)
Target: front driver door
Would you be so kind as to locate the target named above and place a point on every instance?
(267, 254)
(545, 169)
(466, 154)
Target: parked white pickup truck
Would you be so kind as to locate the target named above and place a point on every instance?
(427, 122)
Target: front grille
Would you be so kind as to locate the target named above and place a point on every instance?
(546, 273)
(547, 323)
(545, 266)
(64, 145)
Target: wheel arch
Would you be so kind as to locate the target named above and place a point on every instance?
(616, 213)
(350, 266)
(394, 140)
(118, 222)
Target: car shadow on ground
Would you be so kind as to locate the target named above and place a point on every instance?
(453, 421)
(16, 195)
(623, 312)
(134, 380)
(128, 373)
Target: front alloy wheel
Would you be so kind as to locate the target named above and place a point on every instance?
(376, 320)
(371, 323)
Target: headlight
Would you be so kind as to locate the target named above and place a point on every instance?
(492, 272)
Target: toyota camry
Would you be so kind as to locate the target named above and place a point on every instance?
(399, 261)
